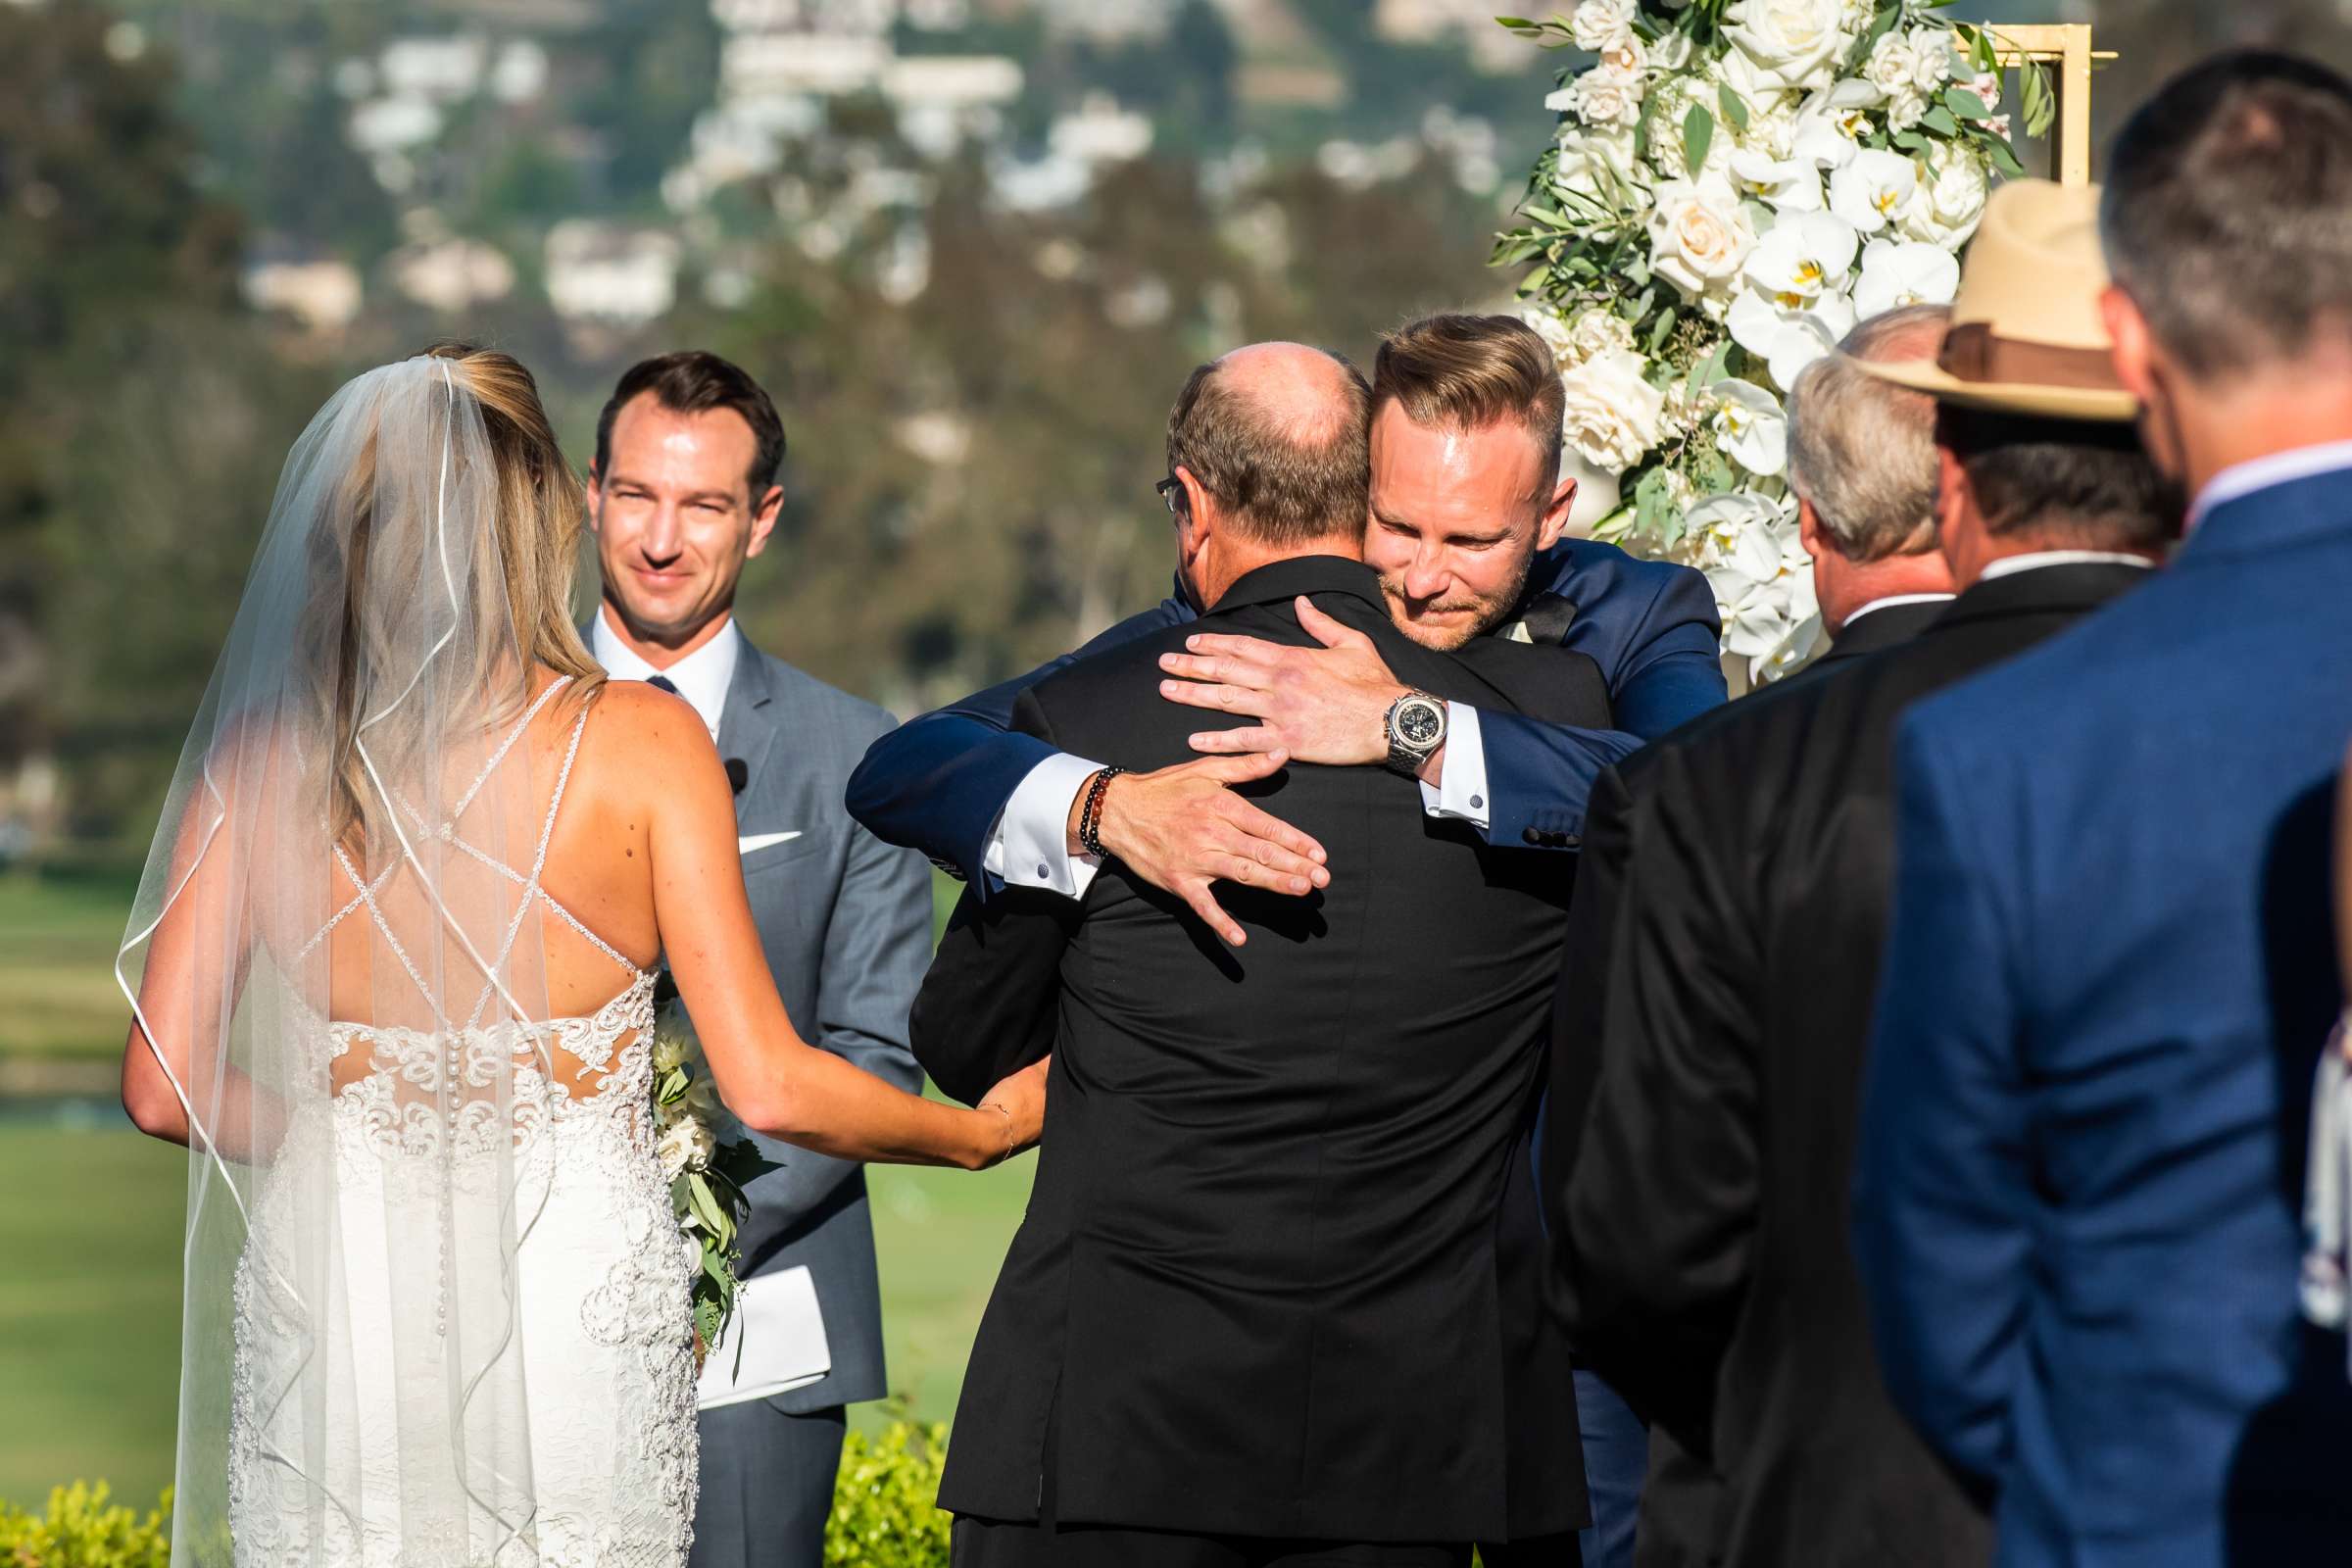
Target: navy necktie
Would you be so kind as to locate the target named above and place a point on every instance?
(663, 683)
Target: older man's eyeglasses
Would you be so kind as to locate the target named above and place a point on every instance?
(1171, 494)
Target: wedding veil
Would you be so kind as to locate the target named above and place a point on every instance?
(336, 958)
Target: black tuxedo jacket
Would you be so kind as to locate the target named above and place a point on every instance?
(1256, 1290)
(1735, 897)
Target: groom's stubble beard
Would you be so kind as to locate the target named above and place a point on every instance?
(1484, 613)
(669, 631)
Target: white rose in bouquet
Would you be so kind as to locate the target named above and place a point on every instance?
(1874, 190)
(1597, 331)
(1699, 237)
(1795, 43)
(1601, 25)
(685, 1144)
(1552, 330)
(1908, 273)
(1893, 63)
(1602, 96)
(1582, 155)
(1610, 414)
(1951, 203)
(1931, 49)
(1752, 428)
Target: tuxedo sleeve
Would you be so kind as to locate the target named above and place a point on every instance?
(1659, 1212)
(1539, 777)
(1944, 1185)
(991, 1001)
(938, 783)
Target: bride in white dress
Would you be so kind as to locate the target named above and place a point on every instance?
(393, 959)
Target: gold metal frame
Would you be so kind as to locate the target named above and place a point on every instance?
(2066, 46)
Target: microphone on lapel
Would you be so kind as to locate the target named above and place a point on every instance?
(738, 773)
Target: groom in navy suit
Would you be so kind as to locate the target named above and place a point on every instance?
(2111, 969)
(1468, 539)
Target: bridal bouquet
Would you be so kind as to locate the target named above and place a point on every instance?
(707, 1171)
(1734, 184)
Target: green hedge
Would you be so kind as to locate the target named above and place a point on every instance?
(884, 1514)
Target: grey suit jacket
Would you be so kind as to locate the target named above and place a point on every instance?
(846, 920)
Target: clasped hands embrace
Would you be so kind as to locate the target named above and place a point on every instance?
(1184, 827)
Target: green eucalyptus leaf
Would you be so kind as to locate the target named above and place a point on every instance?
(2004, 157)
(1966, 104)
(1940, 120)
(1699, 133)
(1735, 106)
(1660, 332)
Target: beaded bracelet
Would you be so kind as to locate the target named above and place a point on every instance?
(1090, 818)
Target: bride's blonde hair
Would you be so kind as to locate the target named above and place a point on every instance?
(536, 505)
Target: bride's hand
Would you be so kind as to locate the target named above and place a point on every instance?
(1019, 1103)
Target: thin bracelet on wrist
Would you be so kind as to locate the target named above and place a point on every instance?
(997, 1107)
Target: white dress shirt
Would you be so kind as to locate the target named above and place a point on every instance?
(2010, 565)
(1890, 601)
(1030, 844)
(702, 678)
(2260, 474)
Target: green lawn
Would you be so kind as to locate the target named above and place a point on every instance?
(90, 1219)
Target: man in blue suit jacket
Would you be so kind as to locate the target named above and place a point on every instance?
(2111, 967)
(1467, 533)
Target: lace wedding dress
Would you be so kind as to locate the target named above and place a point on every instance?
(553, 1176)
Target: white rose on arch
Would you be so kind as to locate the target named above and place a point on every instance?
(1609, 411)
(1893, 63)
(1794, 43)
(1906, 273)
(1752, 428)
(1584, 152)
(1699, 237)
(1602, 96)
(1951, 201)
(1598, 25)
(1875, 189)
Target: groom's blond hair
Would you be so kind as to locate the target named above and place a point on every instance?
(1457, 372)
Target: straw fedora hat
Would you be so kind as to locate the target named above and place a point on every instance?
(2025, 335)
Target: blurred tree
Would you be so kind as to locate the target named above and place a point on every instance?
(128, 502)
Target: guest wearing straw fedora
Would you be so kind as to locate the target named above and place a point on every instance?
(1746, 863)
(2110, 966)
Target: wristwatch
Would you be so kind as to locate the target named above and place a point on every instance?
(1417, 728)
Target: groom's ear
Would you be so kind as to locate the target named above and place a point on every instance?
(596, 497)
(1555, 521)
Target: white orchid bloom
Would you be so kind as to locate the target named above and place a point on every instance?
(1752, 428)
(1788, 340)
(1905, 273)
(1786, 186)
(1800, 258)
(1873, 190)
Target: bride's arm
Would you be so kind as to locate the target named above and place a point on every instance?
(196, 962)
(769, 1076)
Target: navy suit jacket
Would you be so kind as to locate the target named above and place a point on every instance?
(2109, 975)
(940, 782)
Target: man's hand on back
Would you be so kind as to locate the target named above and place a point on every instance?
(1182, 828)
(1321, 704)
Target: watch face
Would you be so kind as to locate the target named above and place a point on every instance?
(1420, 724)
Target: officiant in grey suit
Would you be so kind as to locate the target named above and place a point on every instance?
(682, 493)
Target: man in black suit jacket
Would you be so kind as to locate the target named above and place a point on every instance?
(1744, 866)
(1251, 1314)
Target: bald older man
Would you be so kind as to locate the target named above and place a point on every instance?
(1250, 1316)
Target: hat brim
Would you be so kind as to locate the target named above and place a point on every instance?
(2094, 404)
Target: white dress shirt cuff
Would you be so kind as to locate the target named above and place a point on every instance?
(1030, 844)
(1461, 791)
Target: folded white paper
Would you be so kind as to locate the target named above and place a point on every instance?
(775, 1342)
